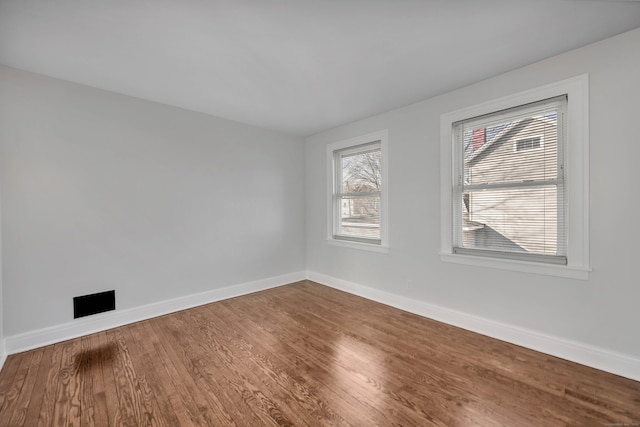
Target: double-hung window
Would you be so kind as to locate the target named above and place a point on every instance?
(357, 182)
(510, 203)
(514, 182)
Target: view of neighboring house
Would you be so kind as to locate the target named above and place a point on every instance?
(512, 213)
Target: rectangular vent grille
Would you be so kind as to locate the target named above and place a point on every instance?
(86, 305)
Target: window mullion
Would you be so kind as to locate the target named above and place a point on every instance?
(360, 194)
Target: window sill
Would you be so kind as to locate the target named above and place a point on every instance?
(357, 245)
(565, 271)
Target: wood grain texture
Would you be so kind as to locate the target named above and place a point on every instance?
(304, 354)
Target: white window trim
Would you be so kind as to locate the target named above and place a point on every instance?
(383, 137)
(577, 178)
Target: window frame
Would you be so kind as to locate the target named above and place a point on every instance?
(576, 178)
(460, 188)
(333, 219)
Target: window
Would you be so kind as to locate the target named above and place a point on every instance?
(511, 205)
(528, 143)
(357, 200)
(510, 169)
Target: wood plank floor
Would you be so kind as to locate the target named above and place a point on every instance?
(304, 355)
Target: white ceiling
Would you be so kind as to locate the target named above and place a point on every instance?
(297, 66)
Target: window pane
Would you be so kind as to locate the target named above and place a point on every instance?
(513, 220)
(515, 150)
(360, 217)
(361, 172)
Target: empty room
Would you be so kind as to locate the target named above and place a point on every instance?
(319, 213)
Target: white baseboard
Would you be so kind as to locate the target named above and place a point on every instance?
(605, 360)
(3, 354)
(100, 322)
(598, 358)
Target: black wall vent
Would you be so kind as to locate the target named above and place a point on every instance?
(86, 305)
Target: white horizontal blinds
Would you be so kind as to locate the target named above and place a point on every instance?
(509, 196)
(358, 185)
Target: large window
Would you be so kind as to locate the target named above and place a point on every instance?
(358, 196)
(511, 203)
(511, 168)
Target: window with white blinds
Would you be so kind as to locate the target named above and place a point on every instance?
(509, 188)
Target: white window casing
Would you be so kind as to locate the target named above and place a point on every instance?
(569, 255)
(357, 182)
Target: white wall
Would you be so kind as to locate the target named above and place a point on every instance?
(103, 191)
(601, 312)
(2, 345)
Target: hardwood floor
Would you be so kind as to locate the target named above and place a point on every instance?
(304, 354)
